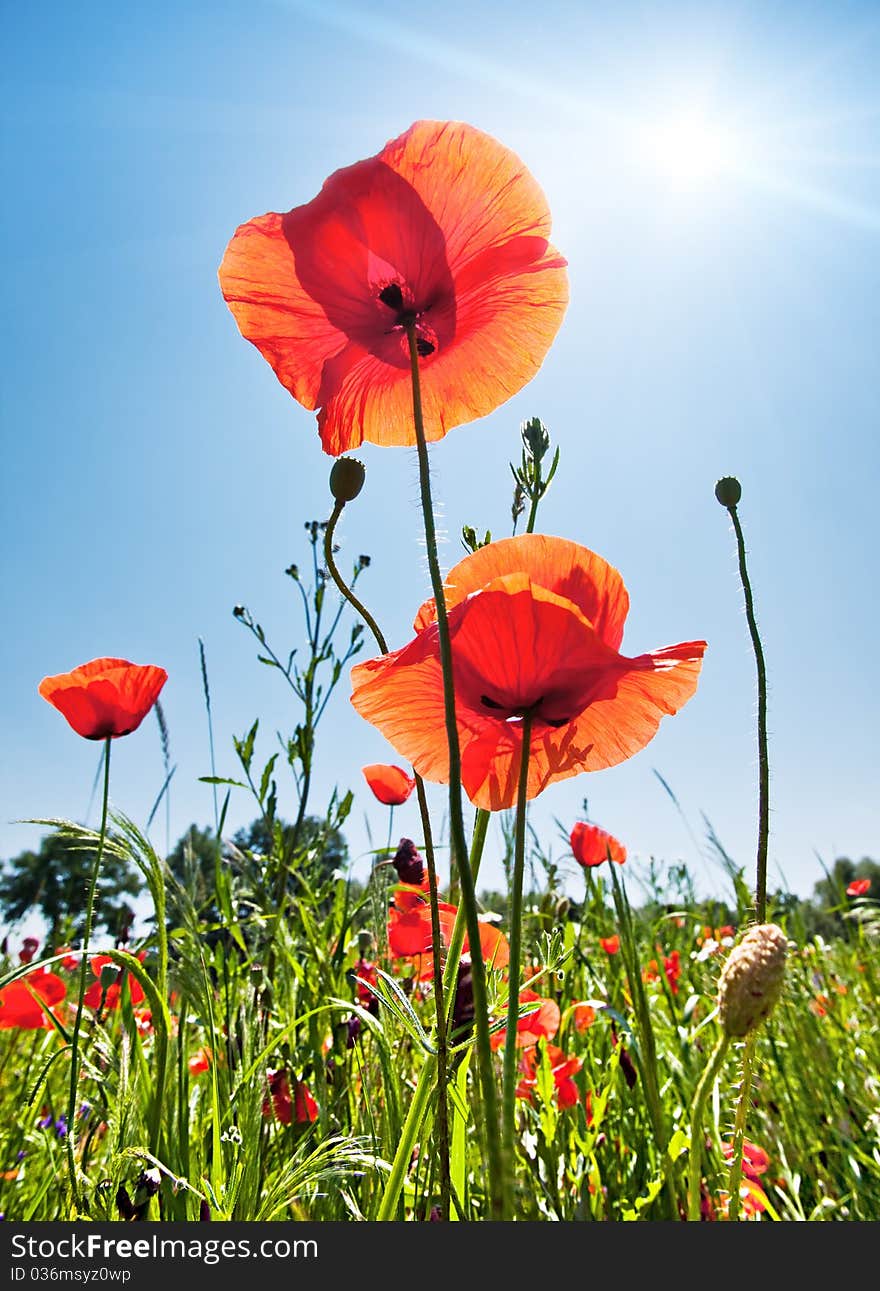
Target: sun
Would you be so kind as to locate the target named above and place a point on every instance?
(691, 150)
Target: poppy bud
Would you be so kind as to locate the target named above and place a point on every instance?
(408, 863)
(728, 491)
(751, 980)
(109, 974)
(347, 479)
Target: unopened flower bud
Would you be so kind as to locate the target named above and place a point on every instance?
(346, 479)
(408, 863)
(109, 974)
(751, 980)
(728, 491)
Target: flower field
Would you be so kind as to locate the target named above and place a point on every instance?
(280, 1042)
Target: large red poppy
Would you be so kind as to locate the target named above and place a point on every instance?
(591, 845)
(540, 1025)
(19, 1005)
(409, 932)
(445, 229)
(390, 785)
(535, 624)
(106, 697)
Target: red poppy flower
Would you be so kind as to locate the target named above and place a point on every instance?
(611, 945)
(298, 1105)
(583, 1016)
(858, 888)
(445, 229)
(564, 1070)
(200, 1062)
(106, 697)
(19, 1006)
(391, 785)
(672, 968)
(28, 950)
(535, 623)
(409, 933)
(591, 845)
(112, 995)
(540, 1025)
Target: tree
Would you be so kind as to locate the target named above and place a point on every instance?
(53, 882)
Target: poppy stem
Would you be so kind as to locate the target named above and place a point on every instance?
(698, 1107)
(436, 940)
(508, 1096)
(739, 1129)
(83, 973)
(456, 816)
(763, 758)
(342, 585)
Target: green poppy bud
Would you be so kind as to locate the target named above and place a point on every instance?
(728, 491)
(346, 479)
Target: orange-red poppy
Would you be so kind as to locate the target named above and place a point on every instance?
(19, 1005)
(591, 845)
(200, 1062)
(445, 229)
(564, 1070)
(611, 945)
(99, 997)
(298, 1105)
(540, 1025)
(391, 785)
(583, 1016)
(859, 888)
(535, 625)
(409, 932)
(106, 697)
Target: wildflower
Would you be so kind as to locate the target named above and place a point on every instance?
(563, 1068)
(21, 1002)
(409, 864)
(542, 1024)
(368, 972)
(611, 945)
(106, 994)
(583, 1016)
(591, 846)
(390, 784)
(444, 231)
(28, 950)
(672, 969)
(106, 698)
(409, 932)
(859, 888)
(535, 623)
(200, 1062)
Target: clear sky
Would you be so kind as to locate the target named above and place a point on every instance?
(713, 170)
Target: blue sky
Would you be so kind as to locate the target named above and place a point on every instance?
(714, 176)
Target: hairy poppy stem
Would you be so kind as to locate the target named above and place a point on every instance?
(456, 817)
(728, 498)
(739, 1129)
(508, 1103)
(83, 973)
(698, 1107)
(436, 939)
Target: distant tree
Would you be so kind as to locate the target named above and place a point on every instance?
(53, 883)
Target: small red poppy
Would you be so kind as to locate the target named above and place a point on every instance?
(858, 888)
(535, 623)
(540, 1025)
(444, 230)
(564, 1070)
(390, 784)
(583, 1016)
(200, 1062)
(106, 697)
(97, 997)
(19, 1006)
(611, 945)
(591, 845)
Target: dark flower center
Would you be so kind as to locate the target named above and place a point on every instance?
(392, 296)
(516, 714)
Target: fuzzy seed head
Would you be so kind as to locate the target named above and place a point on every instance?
(751, 980)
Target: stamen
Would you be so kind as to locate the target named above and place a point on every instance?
(392, 296)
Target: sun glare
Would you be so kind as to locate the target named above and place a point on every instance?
(691, 150)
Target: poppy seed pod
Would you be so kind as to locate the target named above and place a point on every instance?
(751, 980)
(728, 491)
(347, 479)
